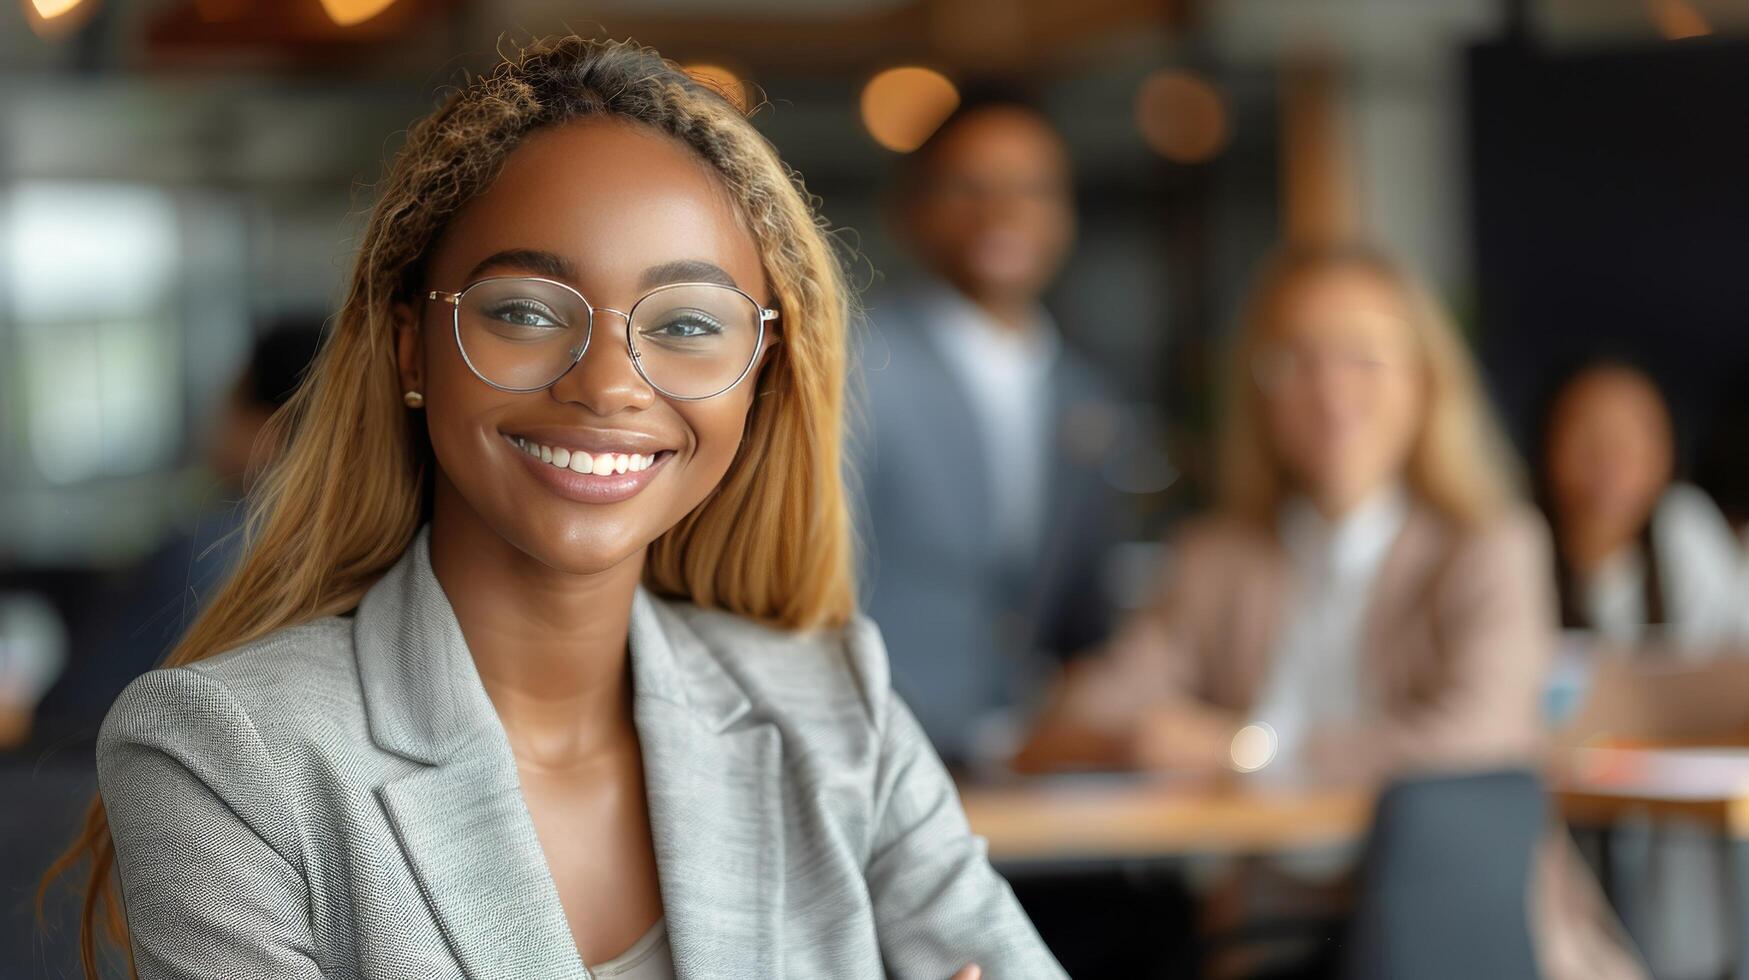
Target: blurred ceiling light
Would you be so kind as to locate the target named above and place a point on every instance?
(57, 18)
(1677, 19)
(901, 107)
(722, 81)
(349, 12)
(1181, 116)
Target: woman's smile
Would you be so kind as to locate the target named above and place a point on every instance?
(592, 466)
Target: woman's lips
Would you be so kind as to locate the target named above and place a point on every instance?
(620, 480)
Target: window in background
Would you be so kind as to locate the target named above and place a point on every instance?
(94, 270)
(122, 308)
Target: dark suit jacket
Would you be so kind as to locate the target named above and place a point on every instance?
(971, 630)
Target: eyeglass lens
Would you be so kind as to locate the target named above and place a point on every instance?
(691, 340)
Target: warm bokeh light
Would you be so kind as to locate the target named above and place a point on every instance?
(349, 12)
(902, 106)
(1181, 116)
(1677, 19)
(52, 19)
(723, 81)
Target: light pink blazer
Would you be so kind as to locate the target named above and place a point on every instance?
(1459, 632)
(1458, 635)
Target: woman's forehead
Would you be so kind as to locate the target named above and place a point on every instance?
(613, 200)
(1339, 302)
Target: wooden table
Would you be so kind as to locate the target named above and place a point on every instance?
(1072, 818)
(1598, 787)
(1118, 818)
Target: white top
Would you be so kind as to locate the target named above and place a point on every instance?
(647, 959)
(1006, 376)
(1701, 568)
(1314, 674)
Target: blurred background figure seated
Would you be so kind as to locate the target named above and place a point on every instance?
(1639, 553)
(1648, 569)
(1369, 599)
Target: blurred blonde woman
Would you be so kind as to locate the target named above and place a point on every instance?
(1369, 597)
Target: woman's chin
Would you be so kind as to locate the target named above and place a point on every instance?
(583, 548)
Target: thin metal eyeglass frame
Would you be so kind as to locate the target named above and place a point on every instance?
(455, 303)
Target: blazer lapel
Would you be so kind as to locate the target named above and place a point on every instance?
(460, 817)
(467, 834)
(712, 776)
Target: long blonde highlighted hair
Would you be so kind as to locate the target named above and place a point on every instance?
(771, 542)
(1459, 463)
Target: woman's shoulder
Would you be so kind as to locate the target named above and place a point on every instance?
(293, 678)
(1687, 519)
(830, 673)
(1509, 549)
(1516, 531)
(1214, 540)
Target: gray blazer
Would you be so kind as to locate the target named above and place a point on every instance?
(338, 799)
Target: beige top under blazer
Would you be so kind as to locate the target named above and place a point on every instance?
(338, 800)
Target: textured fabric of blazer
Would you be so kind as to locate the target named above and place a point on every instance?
(338, 799)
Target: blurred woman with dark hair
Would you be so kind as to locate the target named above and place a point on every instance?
(1635, 548)
(1649, 565)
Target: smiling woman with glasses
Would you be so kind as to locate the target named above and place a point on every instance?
(542, 659)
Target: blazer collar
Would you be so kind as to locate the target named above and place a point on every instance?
(423, 695)
(713, 787)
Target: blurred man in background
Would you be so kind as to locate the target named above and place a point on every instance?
(984, 514)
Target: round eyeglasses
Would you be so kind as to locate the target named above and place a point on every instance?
(688, 340)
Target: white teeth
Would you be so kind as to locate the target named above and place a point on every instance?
(582, 462)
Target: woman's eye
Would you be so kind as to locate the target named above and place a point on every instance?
(525, 313)
(685, 326)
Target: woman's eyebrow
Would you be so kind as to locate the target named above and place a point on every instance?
(686, 270)
(549, 264)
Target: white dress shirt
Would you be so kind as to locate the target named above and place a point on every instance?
(1005, 373)
(1314, 676)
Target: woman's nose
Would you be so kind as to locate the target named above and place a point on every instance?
(606, 380)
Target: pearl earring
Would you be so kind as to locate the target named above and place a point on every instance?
(414, 399)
